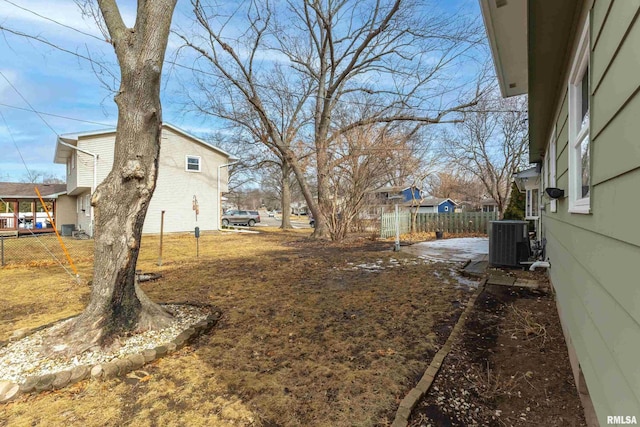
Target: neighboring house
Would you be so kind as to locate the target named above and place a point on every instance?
(192, 174)
(412, 194)
(21, 210)
(579, 61)
(528, 182)
(389, 195)
(383, 200)
(489, 205)
(432, 205)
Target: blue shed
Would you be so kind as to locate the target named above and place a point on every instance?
(433, 205)
(447, 206)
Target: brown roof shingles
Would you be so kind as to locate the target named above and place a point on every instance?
(20, 190)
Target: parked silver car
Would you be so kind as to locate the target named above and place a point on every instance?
(237, 217)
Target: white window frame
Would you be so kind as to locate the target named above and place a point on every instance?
(545, 169)
(186, 163)
(532, 213)
(87, 204)
(550, 169)
(577, 134)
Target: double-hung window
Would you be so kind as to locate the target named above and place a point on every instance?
(579, 141)
(192, 164)
(532, 199)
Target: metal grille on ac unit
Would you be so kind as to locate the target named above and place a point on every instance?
(508, 243)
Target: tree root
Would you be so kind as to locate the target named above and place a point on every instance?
(95, 329)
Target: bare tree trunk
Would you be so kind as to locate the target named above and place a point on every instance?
(321, 230)
(117, 304)
(285, 203)
(503, 203)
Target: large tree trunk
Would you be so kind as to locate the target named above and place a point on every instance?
(285, 203)
(324, 204)
(503, 203)
(322, 119)
(117, 304)
(294, 165)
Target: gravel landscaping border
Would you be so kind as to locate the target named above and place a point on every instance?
(9, 390)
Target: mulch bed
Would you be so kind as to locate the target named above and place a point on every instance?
(508, 368)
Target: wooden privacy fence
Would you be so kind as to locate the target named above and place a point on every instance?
(455, 223)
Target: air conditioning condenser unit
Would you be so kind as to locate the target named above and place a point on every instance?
(508, 243)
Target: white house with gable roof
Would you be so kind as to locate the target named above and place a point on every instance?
(190, 171)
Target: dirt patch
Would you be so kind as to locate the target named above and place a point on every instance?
(508, 368)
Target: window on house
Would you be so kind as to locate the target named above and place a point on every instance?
(446, 208)
(193, 164)
(87, 204)
(579, 141)
(545, 169)
(553, 205)
(532, 198)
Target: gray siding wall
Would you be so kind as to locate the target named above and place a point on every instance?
(595, 258)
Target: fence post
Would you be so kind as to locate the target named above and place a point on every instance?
(161, 236)
(396, 247)
(2, 249)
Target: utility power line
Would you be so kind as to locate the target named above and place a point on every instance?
(55, 115)
(54, 21)
(27, 102)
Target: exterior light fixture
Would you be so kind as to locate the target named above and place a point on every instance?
(554, 193)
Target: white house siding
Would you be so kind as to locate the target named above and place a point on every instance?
(176, 187)
(65, 211)
(83, 217)
(594, 257)
(72, 173)
(102, 145)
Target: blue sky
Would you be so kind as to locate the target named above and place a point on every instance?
(62, 84)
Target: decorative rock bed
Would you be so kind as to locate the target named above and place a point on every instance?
(106, 366)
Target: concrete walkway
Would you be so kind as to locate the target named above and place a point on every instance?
(479, 268)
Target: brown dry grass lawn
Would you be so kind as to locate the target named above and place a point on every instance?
(307, 338)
